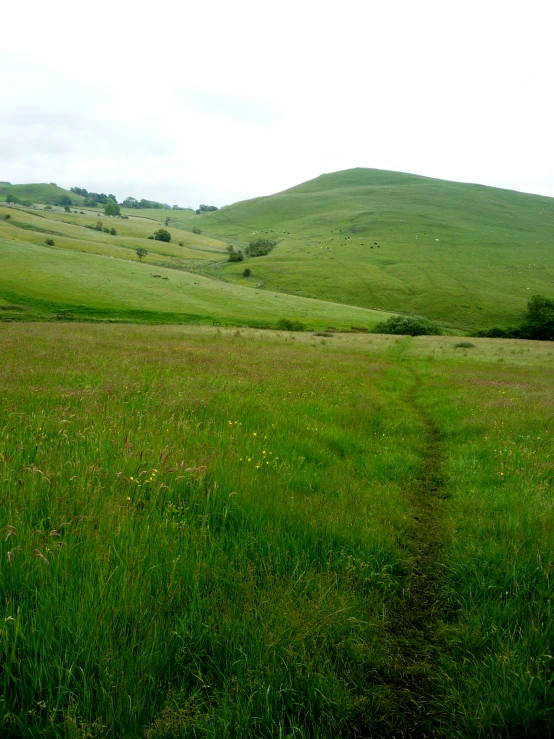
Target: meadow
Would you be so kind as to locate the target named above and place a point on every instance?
(238, 533)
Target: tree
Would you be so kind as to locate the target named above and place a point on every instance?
(67, 209)
(162, 235)
(167, 221)
(112, 208)
(113, 232)
(538, 321)
(65, 200)
(247, 272)
(141, 253)
(206, 209)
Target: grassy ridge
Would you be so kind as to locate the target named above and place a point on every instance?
(467, 255)
(208, 533)
(38, 193)
(49, 280)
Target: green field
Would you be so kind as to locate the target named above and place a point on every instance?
(38, 193)
(466, 255)
(231, 534)
(97, 276)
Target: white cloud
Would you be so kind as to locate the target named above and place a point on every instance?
(219, 102)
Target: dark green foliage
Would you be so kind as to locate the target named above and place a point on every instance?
(141, 253)
(284, 324)
(112, 208)
(64, 201)
(260, 247)
(496, 333)
(12, 198)
(538, 322)
(162, 235)
(79, 191)
(181, 243)
(49, 242)
(236, 256)
(106, 230)
(196, 231)
(143, 203)
(67, 209)
(408, 326)
(113, 232)
(247, 272)
(464, 345)
(206, 209)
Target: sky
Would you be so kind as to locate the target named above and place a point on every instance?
(216, 102)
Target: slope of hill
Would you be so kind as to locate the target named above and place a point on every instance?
(38, 193)
(97, 275)
(465, 254)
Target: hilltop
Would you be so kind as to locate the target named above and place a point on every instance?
(465, 254)
(49, 194)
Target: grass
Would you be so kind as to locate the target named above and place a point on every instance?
(213, 533)
(466, 255)
(38, 193)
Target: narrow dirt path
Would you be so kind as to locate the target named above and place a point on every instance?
(411, 710)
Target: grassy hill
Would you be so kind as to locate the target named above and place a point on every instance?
(38, 193)
(96, 275)
(467, 255)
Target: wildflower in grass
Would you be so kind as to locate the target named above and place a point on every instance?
(254, 434)
(249, 459)
(257, 466)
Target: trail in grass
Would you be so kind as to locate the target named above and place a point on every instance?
(411, 710)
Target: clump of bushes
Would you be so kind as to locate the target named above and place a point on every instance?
(408, 326)
(285, 324)
(260, 247)
(196, 231)
(464, 345)
(234, 256)
(161, 235)
(537, 324)
(50, 242)
(113, 232)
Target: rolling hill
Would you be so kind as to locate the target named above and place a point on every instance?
(38, 193)
(466, 255)
(95, 275)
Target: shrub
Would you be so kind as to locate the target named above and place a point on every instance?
(408, 326)
(236, 256)
(196, 231)
(67, 209)
(464, 345)
(496, 333)
(98, 226)
(106, 230)
(538, 322)
(50, 242)
(284, 324)
(247, 272)
(181, 243)
(260, 247)
(162, 235)
(113, 232)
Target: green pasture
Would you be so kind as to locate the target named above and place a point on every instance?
(214, 533)
(49, 280)
(466, 255)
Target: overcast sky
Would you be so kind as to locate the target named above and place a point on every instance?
(214, 102)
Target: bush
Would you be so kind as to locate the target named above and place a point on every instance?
(113, 232)
(67, 209)
(538, 322)
(236, 256)
(50, 242)
(196, 231)
(464, 345)
(284, 324)
(496, 333)
(260, 247)
(247, 272)
(408, 326)
(162, 235)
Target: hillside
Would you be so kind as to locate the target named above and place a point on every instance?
(38, 193)
(465, 254)
(96, 275)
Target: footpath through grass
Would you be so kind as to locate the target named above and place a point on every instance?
(209, 534)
